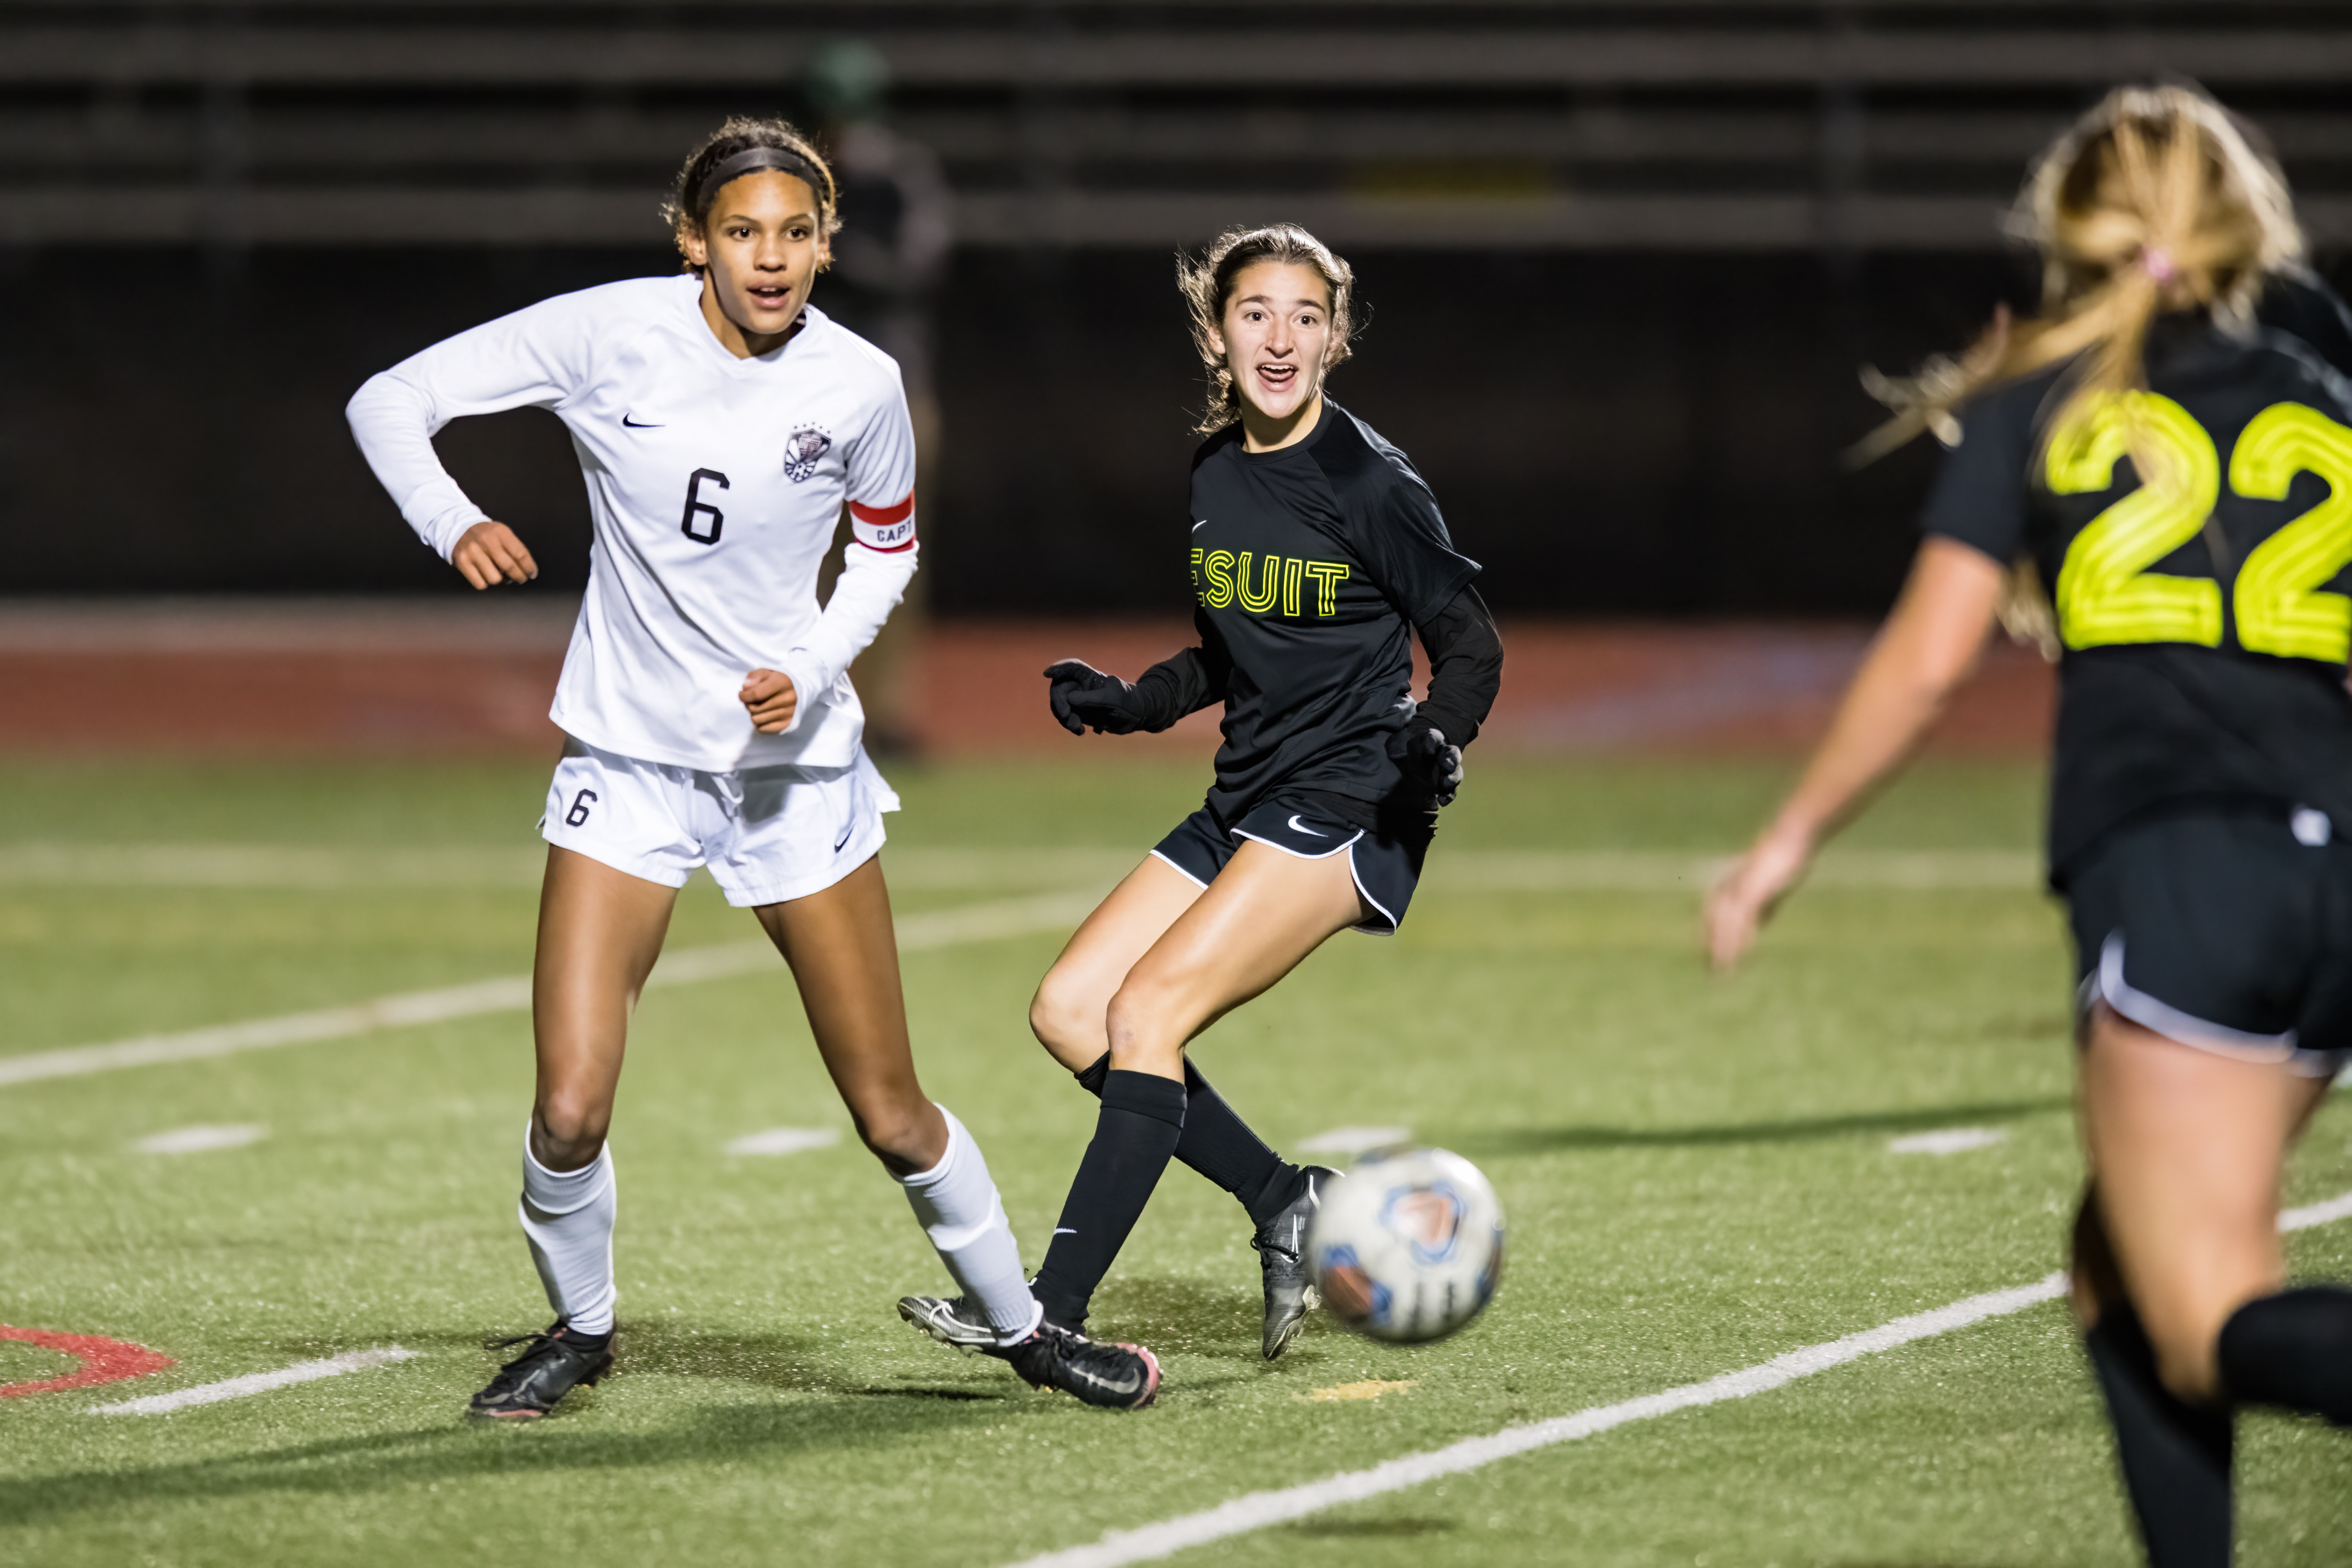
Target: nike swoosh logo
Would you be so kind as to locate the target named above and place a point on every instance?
(1298, 826)
(630, 424)
(1065, 1230)
(845, 837)
(1123, 1386)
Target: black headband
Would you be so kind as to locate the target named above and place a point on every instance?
(751, 160)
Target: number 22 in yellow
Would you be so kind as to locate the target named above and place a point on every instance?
(2106, 596)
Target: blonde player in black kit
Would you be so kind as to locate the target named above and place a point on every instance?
(2181, 477)
(1316, 551)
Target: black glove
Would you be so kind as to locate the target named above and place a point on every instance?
(1082, 697)
(1421, 751)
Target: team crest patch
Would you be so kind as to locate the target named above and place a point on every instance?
(802, 450)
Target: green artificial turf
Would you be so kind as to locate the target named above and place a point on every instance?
(1696, 1171)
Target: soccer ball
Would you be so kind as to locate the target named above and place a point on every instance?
(1407, 1246)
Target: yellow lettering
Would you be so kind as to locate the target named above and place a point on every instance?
(1269, 583)
(1217, 568)
(1328, 575)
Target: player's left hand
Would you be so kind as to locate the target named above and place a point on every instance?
(769, 694)
(1427, 760)
(1745, 896)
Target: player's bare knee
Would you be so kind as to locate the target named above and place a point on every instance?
(2190, 1372)
(1147, 1030)
(1066, 1019)
(568, 1131)
(906, 1134)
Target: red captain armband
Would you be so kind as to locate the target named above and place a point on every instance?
(884, 528)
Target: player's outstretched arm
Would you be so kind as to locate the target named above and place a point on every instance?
(1083, 698)
(1928, 647)
(489, 554)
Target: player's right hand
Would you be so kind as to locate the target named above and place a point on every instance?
(1745, 896)
(1082, 697)
(488, 553)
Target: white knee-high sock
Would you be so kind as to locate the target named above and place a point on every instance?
(957, 1203)
(567, 1217)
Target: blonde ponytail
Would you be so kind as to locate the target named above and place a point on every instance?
(2154, 201)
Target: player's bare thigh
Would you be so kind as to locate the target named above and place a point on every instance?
(1074, 999)
(600, 931)
(1266, 912)
(2188, 1147)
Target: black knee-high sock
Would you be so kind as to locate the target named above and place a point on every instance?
(1142, 1117)
(1220, 1145)
(2176, 1457)
(2294, 1348)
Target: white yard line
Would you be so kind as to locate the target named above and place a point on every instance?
(942, 869)
(916, 934)
(256, 1383)
(1672, 871)
(1259, 1510)
(1949, 1140)
(201, 1140)
(785, 1140)
(1353, 1139)
(299, 868)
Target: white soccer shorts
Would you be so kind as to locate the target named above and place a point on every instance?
(769, 835)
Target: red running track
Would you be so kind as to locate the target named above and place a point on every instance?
(474, 677)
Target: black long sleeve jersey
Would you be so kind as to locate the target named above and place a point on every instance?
(1311, 566)
(2204, 616)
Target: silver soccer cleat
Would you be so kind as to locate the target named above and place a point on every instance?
(951, 1320)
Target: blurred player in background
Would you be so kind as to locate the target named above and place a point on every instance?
(2181, 478)
(1317, 553)
(896, 228)
(721, 422)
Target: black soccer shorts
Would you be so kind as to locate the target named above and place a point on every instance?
(1386, 869)
(2230, 929)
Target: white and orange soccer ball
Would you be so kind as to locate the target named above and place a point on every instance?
(1408, 1244)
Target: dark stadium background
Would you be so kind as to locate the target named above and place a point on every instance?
(1621, 261)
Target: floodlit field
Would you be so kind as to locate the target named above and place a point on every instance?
(1700, 1175)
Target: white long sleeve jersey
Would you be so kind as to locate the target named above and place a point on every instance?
(714, 483)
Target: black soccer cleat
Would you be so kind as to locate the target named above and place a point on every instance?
(954, 1320)
(558, 1361)
(1110, 1377)
(1281, 1244)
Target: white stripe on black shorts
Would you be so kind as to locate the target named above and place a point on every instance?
(1386, 871)
(2226, 929)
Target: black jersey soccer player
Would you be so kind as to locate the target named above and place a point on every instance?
(1316, 551)
(708, 716)
(2181, 477)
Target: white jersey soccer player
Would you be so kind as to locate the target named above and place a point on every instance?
(714, 484)
(722, 421)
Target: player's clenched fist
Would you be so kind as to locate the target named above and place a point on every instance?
(769, 694)
(1427, 760)
(488, 553)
